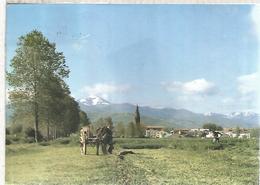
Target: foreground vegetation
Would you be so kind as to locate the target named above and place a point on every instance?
(175, 161)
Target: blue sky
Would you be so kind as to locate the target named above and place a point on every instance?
(199, 57)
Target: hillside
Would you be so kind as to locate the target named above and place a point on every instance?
(168, 116)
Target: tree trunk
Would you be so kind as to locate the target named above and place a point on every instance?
(36, 123)
(55, 132)
(48, 130)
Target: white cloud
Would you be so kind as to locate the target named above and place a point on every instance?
(248, 84)
(105, 89)
(194, 87)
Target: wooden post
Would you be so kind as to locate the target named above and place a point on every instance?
(85, 147)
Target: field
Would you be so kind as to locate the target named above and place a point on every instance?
(156, 161)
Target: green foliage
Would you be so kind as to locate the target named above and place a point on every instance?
(63, 141)
(254, 133)
(8, 141)
(38, 90)
(212, 127)
(101, 122)
(84, 120)
(131, 130)
(219, 128)
(7, 131)
(29, 140)
(30, 133)
(139, 129)
(16, 128)
(109, 122)
(237, 131)
(192, 164)
(120, 130)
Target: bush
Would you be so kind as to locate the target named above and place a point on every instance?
(63, 141)
(74, 139)
(16, 128)
(29, 140)
(8, 141)
(7, 131)
(30, 132)
(15, 139)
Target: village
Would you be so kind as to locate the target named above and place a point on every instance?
(153, 131)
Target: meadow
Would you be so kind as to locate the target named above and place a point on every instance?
(156, 161)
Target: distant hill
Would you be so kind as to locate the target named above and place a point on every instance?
(169, 116)
(97, 107)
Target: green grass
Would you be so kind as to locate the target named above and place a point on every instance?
(179, 161)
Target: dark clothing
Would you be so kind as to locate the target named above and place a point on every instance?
(107, 137)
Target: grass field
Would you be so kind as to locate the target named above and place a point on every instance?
(176, 161)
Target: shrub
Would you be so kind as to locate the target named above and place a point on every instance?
(15, 139)
(74, 139)
(8, 141)
(7, 131)
(16, 128)
(29, 140)
(30, 132)
(63, 141)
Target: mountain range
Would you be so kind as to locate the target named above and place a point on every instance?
(97, 107)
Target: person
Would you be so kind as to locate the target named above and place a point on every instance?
(109, 138)
(216, 136)
(83, 135)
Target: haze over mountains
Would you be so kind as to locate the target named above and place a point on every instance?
(97, 107)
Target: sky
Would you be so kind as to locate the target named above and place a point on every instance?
(203, 58)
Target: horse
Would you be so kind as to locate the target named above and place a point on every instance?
(103, 137)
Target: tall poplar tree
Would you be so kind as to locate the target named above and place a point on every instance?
(138, 122)
(36, 62)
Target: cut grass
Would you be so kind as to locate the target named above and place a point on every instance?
(62, 164)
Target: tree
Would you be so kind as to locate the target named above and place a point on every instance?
(237, 131)
(131, 130)
(84, 120)
(109, 122)
(52, 107)
(120, 129)
(210, 126)
(219, 128)
(36, 62)
(139, 130)
(71, 121)
(254, 132)
(99, 123)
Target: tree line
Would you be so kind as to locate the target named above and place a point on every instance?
(39, 98)
(132, 129)
(38, 93)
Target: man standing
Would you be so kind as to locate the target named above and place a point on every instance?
(83, 135)
(110, 139)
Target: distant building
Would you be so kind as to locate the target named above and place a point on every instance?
(154, 131)
(181, 131)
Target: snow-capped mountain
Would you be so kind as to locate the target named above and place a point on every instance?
(94, 100)
(208, 114)
(97, 107)
(242, 115)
